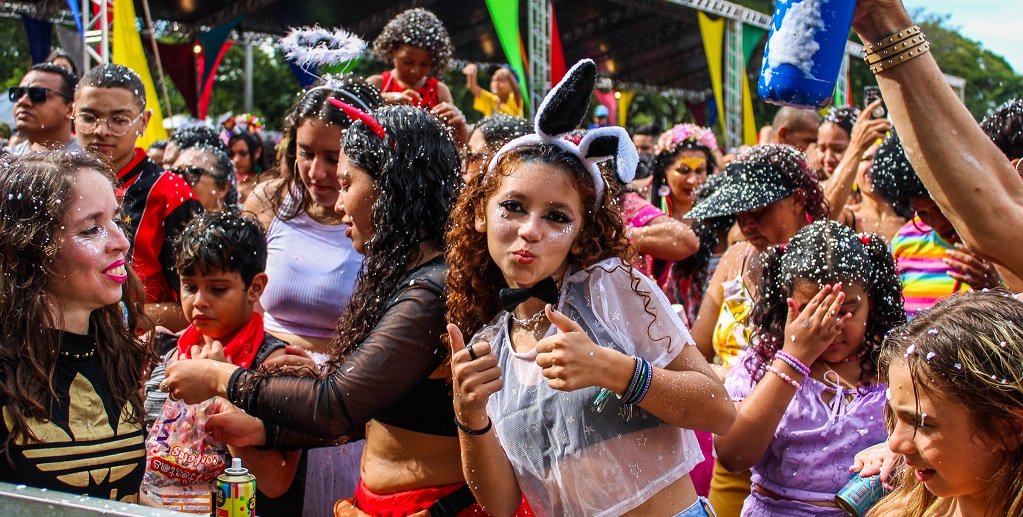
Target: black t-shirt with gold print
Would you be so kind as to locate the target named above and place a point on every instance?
(88, 446)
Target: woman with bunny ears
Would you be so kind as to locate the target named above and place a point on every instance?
(580, 382)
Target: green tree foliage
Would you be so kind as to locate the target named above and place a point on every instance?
(274, 87)
(14, 56)
(990, 80)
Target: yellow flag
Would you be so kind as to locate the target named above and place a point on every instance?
(713, 33)
(749, 124)
(624, 101)
(127, 50)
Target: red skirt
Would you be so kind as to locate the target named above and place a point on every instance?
(409, 502)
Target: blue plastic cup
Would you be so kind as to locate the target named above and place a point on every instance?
(804, 52)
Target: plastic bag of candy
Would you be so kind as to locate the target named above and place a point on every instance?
(182, 461)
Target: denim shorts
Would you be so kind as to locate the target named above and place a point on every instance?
(701, 508)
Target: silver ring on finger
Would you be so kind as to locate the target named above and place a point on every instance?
(472, 353)
(163, 387)
(171, 396)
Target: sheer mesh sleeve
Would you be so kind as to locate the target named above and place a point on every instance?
(401, 351)
(646, 326)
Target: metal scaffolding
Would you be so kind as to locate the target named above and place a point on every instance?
(96, 24)
(735, 67)
(539, 51)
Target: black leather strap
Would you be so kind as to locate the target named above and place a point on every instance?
(453, 503)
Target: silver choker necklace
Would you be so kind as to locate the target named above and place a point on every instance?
(530, 323)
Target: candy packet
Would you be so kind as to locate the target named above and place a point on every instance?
(182, 461)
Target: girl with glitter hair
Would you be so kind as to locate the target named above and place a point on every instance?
(417, 44)
(772, 193)
(807, 391)
(955, 421)
(579, 382)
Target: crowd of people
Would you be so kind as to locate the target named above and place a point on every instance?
(396, 313)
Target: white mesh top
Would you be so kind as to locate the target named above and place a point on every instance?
(568, 458)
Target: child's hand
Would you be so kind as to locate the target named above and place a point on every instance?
(475, 377)
(470, 69)
(972, 270)
(295, 356)
(228, 424)
(409, 97)
(877, 459)
(569, 359)
(214, 351)
(809, 332)
(453, 117)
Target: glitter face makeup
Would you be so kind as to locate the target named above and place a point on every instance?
(532, 222)
(90, 264)
(685, 176)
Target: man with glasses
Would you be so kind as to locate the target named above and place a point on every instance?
(42, 109)
(110, 114)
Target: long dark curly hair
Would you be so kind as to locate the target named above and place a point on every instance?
(38, 187)
(825, 252)
(290, 198)
(474, 279)
(417, 181)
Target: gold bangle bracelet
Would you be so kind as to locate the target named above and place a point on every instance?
(898, 37)
(898, 48)
(899, 59)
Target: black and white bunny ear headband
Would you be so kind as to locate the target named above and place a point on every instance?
(564, 108)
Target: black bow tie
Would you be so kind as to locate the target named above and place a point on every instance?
(546, 290)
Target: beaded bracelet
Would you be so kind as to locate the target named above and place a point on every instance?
(791, 360)
(785, 377)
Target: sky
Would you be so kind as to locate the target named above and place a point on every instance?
(996, 24)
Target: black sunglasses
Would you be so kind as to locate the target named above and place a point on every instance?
(190, 174)
(36, 94)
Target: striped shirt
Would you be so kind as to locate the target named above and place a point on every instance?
(918, 251)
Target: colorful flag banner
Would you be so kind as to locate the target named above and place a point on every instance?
(127, 50)
(505, 15)
(713, 34)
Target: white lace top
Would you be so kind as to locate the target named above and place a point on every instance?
(568, 458)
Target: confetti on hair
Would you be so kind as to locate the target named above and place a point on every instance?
(418, 28)
(317, 46)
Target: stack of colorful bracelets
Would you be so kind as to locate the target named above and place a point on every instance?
(896, 49)
(640, 384)
(796, 365)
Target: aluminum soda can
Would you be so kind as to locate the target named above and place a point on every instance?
(236, 491)
(860, 494)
